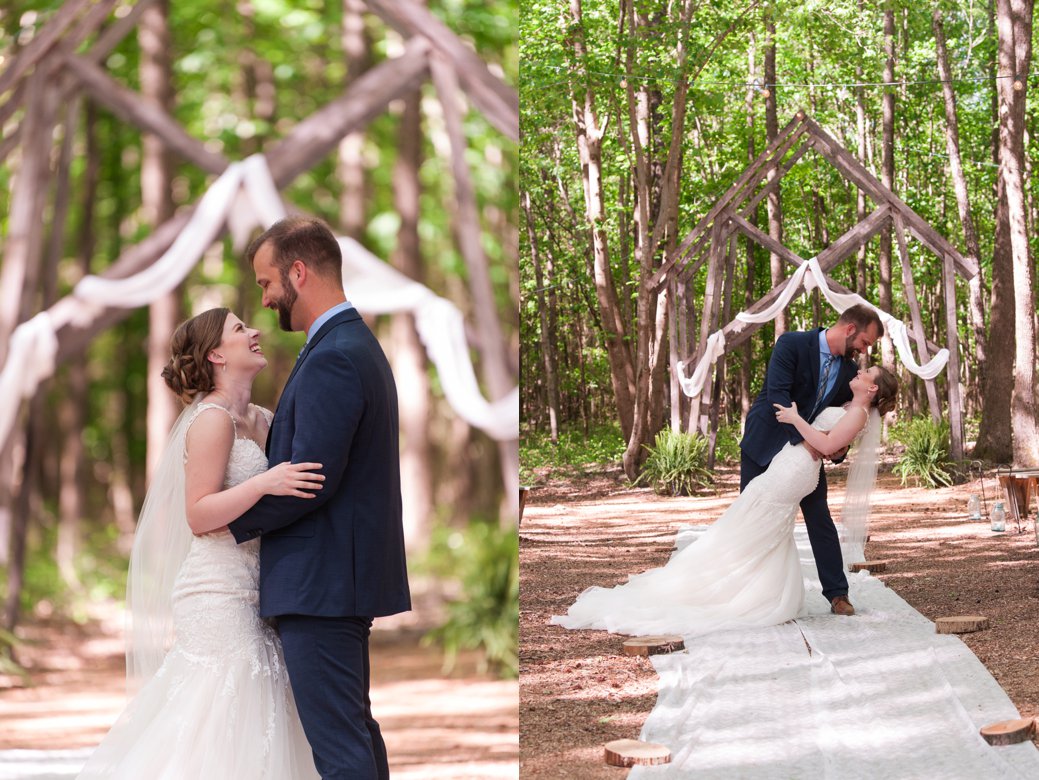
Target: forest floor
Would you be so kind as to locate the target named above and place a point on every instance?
(577, 691)
(437, 725)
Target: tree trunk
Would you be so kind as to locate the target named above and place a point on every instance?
(970, 236)
(547, 337)
(589, 133)
(21, 270)
(887, 176)
(746, 351)
(156, 174)
(409, 356)
(491, 343)
(1014, 23)
(353, 200)
(773, 201)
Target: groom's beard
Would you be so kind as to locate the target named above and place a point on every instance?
(284, 304)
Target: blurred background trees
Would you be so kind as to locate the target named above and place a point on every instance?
(238, 76)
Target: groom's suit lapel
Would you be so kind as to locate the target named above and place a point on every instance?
(324, 330)
(344, 316)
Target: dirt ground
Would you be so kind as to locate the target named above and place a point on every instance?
(577, 691)
(437, 726)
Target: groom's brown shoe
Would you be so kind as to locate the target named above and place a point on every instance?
(839, 605)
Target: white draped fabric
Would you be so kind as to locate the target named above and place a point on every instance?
(811, 275)
(243, 197)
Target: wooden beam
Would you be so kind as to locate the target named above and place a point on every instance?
(42, 42)
(854, 238)
(367, 97)
(769, 186)
(744, 211)
(498, 102)
(107, 41)
(919, 336)
(491, 341)
(793, 130)
(76, 334)
(844, 161)
(128, 106)
(952, 370)
(736, 331)
(765, 240)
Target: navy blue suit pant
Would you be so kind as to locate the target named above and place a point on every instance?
(327, 661)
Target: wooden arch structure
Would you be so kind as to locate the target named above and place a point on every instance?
(64, 62)
(713, 243)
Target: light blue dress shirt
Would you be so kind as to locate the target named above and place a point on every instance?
(325, 318)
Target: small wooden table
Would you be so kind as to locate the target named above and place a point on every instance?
(1019, 487)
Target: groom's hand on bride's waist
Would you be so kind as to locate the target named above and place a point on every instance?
(816, 455)
(839, 455)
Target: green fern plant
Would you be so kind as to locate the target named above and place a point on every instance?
(926, 458)
(486, 563)
(677, 464)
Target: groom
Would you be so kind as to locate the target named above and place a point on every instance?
(331, 563)
(811, 369)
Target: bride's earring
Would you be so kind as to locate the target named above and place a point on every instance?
(225, 368)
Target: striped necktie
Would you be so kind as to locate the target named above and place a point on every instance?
(823, 382)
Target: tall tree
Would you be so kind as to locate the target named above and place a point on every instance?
(156, 175)
(959, 182)
(887, 172)
(589, 130)
(1014, 25)
(773, 201)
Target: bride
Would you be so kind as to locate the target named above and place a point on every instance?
(212, 694)
(744, 570)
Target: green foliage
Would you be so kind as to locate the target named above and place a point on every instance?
(727, 445)
(484, 558)
(574, 451)
(677, 464)
(926, 457)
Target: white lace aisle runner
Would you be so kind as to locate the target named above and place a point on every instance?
(880, 696)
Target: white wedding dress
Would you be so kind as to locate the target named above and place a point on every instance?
(743, 571)
(220, 706)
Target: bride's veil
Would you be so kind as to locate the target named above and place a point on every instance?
(861, 475)
(160, 545)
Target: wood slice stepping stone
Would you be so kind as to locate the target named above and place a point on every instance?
(960, 624)
(875, 567)
(629, 752)
(1008, 732)
(654, 645)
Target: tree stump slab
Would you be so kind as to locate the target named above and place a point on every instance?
(960, 624)
(629, 752)
(874, 567)
(654, 645)
(1008, 732)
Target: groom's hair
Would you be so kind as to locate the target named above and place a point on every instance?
(306, 239)
(861, 316)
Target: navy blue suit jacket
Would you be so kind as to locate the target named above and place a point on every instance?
(792, 377)
(340, 554)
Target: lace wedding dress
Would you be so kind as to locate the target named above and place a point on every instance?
(743, 571)
(220, 706)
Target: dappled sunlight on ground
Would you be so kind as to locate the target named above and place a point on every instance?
(577, 689)
(438, 726)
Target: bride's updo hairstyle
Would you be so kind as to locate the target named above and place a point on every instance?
(189, 371)
(887, 391)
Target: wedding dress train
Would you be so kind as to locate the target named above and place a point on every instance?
(743, 571)
(220, 706)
